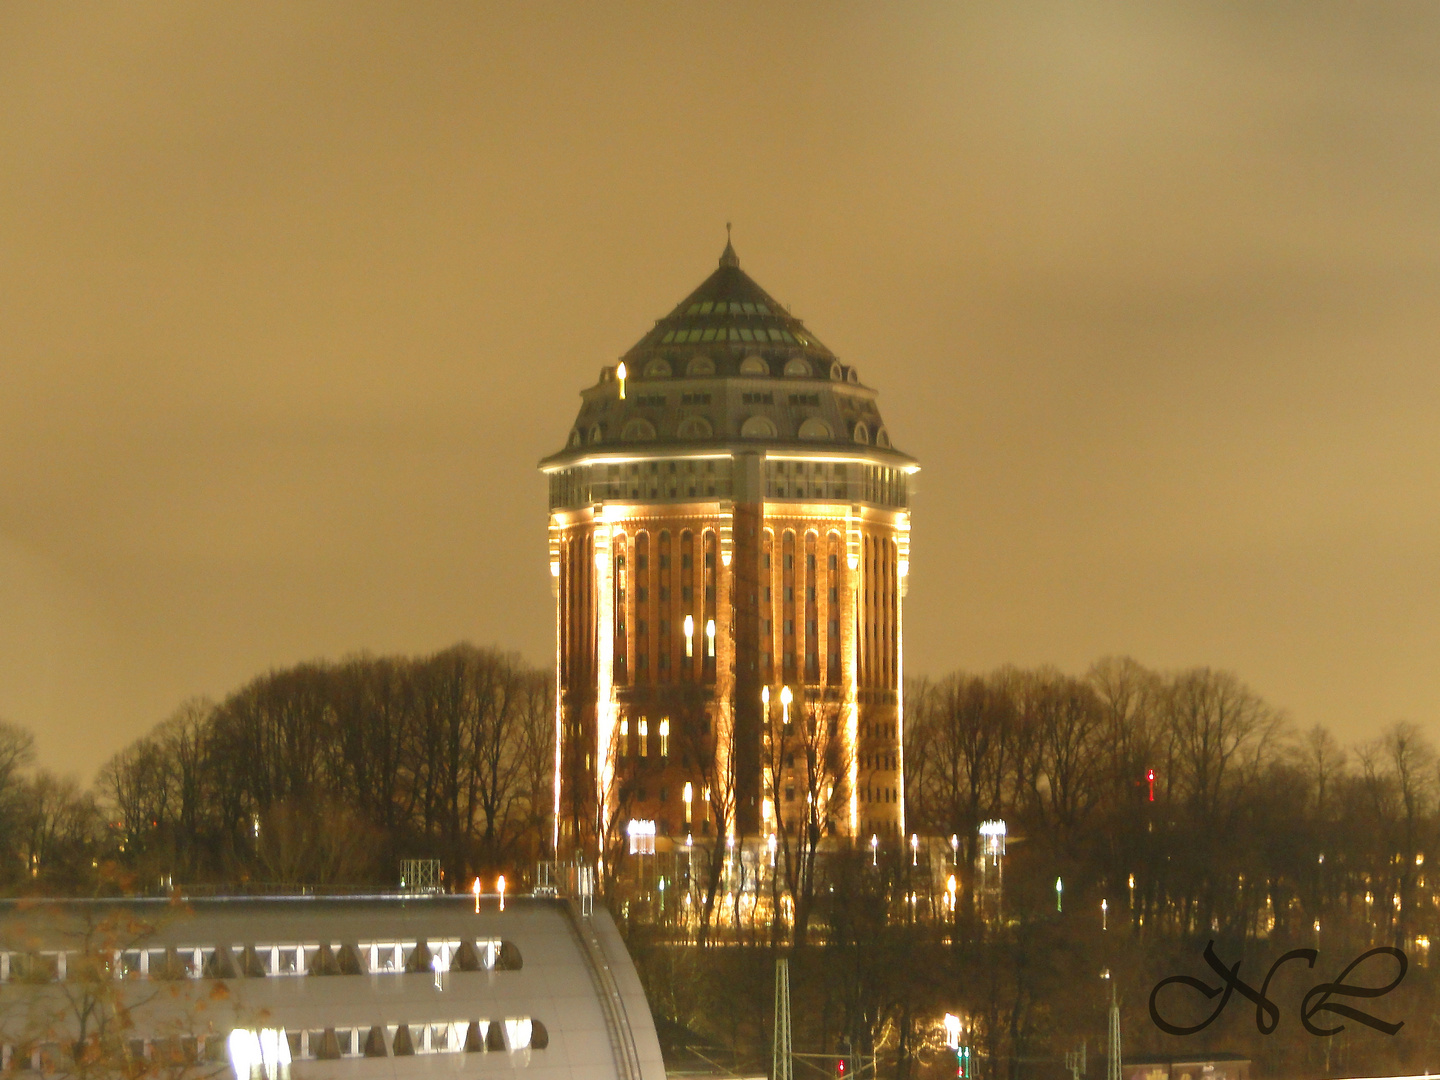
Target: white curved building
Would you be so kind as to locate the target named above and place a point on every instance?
(301, 987)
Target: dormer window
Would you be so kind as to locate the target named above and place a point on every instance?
(695, 427)
(797, 367)
(638, 430)
(659, 368)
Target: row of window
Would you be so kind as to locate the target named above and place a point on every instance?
(734, 333)
(260, 1054)
(265, 960)
(795, 367)
(722, 307)
(837, 481)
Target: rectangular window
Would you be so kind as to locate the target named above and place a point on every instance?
(641, 627)
(642, 662)
(664, 592)
(685, 593)
(664, 664)
(810, 563)
(642, 595)
(765, 623)
(834, 595)
(767, 594)
(833, 563)
(767, 560)
(810, 594)
(664, 628)
(812, 628)
(789, 562)
(664, 562)
(684, 562)
(709, 560)
(709, 594)
(834, 627)
(789, 627)
(789, 594)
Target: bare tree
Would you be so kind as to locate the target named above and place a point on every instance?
(808, 765)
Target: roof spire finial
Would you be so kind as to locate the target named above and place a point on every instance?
(728, 256)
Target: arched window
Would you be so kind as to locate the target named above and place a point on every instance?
(836, 371)
(700, 365)
(815, 428)
(575, 438)
(852, 376)
(637, 430)
(862, 433)
(595, 433)
(754, 365)
(659, 368)
(882, 437)
(758, 427)
(695, 427)
(797, 367)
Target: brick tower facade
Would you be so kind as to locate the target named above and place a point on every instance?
(729, 547)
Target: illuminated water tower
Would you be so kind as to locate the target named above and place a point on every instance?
(729, 527)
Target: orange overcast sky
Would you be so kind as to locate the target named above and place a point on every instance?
(293, 297)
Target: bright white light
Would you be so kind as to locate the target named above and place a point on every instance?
(689, 635)
(517, 1033)
(952, 1031)
(642, 837)
(620, 374)
(244, 1050)
(710, 638)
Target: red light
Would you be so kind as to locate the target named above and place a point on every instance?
(1150, 776)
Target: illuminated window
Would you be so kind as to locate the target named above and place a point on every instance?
(665, 737)
(642, 837)
(644, 727)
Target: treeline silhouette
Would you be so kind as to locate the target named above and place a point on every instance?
(319, 774)
(1224, 816)
(1183, 801)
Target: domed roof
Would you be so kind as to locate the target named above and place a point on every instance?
(728, 306)
(729, 367)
